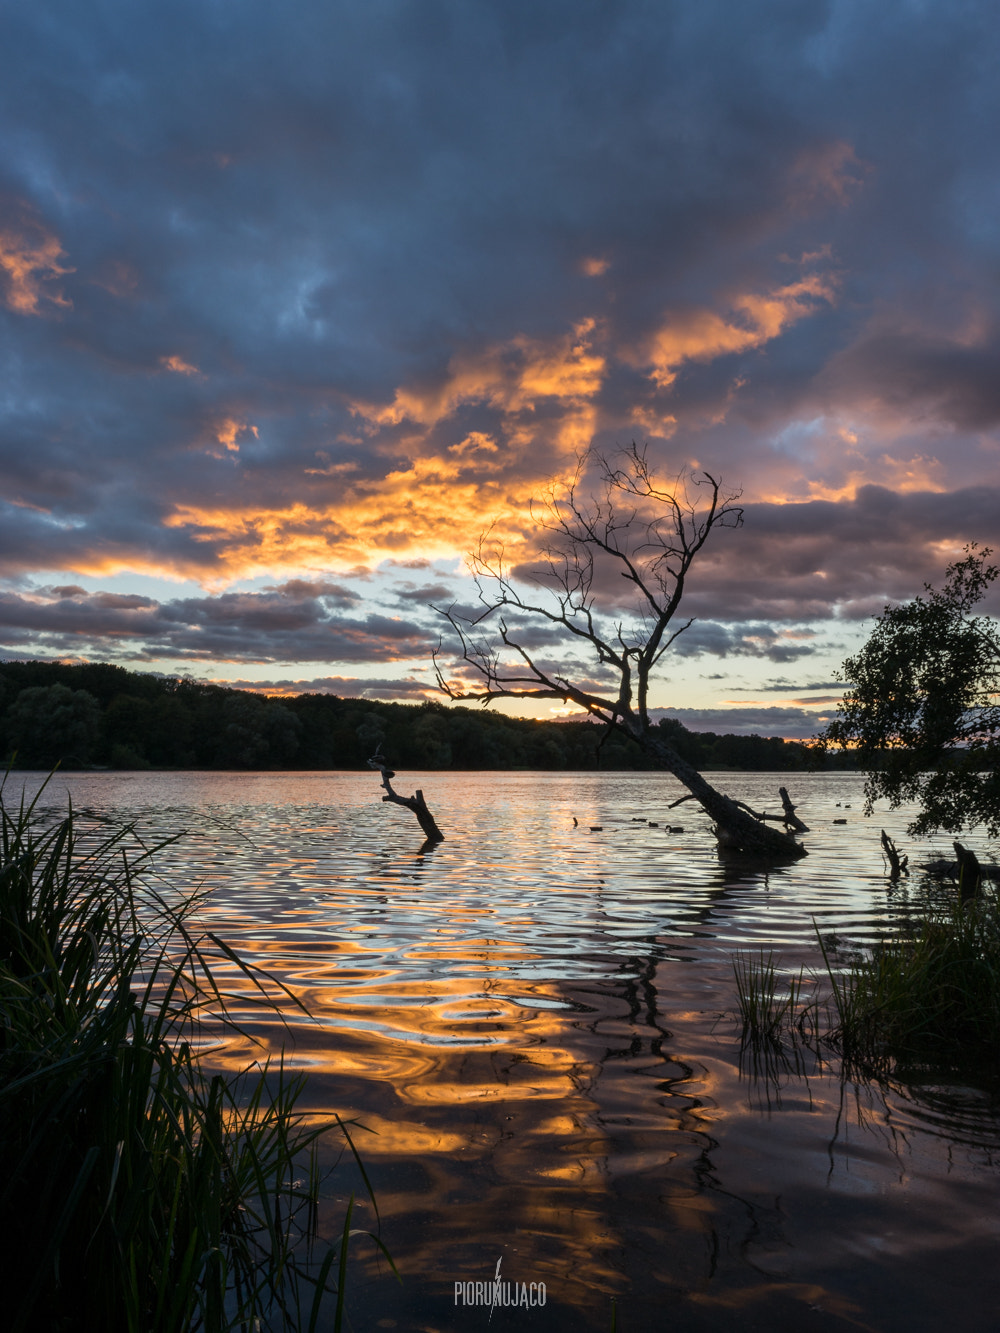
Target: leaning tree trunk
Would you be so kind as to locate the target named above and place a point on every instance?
(735, 825)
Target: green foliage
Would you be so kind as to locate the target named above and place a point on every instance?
(931, 994)
(923, 712)
(144, 1193)
(135, 720)
(768, 754)
(256, 732)
(52, 722)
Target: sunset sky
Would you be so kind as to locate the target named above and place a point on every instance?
(297, 298)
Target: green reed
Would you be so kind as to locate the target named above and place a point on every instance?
(931, 993)
(140, 1192)
(934, 991)
(768, 1004)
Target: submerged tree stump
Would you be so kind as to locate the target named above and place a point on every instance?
(898, 865)
(416, 803)
(969, 872)
(792, 820)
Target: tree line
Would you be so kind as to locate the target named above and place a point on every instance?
(104, 716)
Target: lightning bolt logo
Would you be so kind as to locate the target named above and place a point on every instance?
(496, 1289)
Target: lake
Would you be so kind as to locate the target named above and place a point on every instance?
(534, 1019)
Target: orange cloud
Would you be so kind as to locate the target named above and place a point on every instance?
(437, 500)
(447, 482)
(918, 473)
(754, 319)
(436, 507)
(595, 267)
(229, 430)
(29, 260)
(846, 462)
(440, 504)
(178, 365)
(511, 377)
(433, 506)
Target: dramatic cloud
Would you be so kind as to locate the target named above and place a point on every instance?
(294, 302)
(294, 623)
(750, 640)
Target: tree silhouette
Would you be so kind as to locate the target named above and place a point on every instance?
(627, 527)
(922, 712)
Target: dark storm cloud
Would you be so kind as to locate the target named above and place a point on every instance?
(740, 640)
(428, 594)
(282, 287)
(794, 563)
(947, 378)
(283, 624)
(786, 686)
(857, 554)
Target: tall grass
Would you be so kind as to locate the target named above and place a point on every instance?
(932, 994)
(768, 1004)
(139, 1192)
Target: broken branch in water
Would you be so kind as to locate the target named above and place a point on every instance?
(790, 819)
(415, 803)
(951, 869)
(969, 872)
(897, 863)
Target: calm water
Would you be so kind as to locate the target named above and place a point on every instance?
(534, 1020)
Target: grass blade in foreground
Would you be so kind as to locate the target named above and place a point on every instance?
(144, 1193)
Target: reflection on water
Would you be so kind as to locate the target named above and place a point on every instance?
(531, 1018)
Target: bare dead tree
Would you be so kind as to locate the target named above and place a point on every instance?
(629, 527)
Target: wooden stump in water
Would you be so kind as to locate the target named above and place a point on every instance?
(415, 803)
(969, 872)
(792, 820)
(897, 863)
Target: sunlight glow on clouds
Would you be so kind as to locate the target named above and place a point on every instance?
(283, 302)
(754, 320)
(178, 365)
(29, 264)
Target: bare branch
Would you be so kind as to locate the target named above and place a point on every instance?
(629, 527)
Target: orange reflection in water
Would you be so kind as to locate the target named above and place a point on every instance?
(531, 1023)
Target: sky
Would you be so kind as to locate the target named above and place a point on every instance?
(296, 300)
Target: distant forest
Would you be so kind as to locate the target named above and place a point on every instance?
(103, 716)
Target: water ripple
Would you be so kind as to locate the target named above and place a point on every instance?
(533, 1020)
